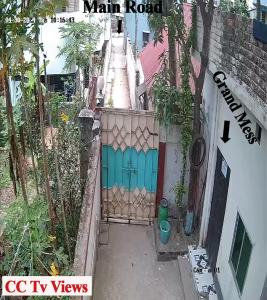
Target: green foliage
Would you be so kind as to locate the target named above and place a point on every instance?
(69, 151)
(176, 106)
(18, 120)
(80, 43)
(238, 7)
(180, 190)
(168, 103)
(67, 147)
(4, 170)
(3, 124)
(26, 233)
(20, 36)
(37, 251)
(54, 107)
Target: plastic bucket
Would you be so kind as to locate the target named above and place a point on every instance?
(165, 231)
(163, 210)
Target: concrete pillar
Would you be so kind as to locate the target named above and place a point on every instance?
(86, 118)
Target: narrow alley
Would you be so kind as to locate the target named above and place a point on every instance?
(117, 90)
(133, 145)
(127, 267)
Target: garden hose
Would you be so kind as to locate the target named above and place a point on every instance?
(199, 139)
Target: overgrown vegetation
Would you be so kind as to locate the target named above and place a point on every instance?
(80, 41)
(174, 107)
(40, 139)
(4, 170)
(3, 124)
(238, 7)
(28, 242)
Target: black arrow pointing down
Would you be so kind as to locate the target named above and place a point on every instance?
(225, 138)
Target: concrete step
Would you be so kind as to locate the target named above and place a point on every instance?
(177, 245)
(188, 284)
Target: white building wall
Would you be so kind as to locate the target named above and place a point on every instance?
(131, 74)
(173, 161)
(247, 195)
(50, 37)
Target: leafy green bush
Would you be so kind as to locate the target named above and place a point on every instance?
(4, 170)
(54, 107)
(28, 248)
(3, 123)
(237, 7)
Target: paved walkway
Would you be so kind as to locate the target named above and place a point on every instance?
(127, 268)
(117, 91)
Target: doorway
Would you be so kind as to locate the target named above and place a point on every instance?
(218, 205)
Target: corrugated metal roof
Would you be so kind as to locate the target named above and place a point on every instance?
(150, 59)
(150, 55)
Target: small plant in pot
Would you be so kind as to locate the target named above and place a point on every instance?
(180, 190)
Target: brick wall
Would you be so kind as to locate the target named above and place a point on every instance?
(234, 50)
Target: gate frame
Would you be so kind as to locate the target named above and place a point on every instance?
(160, 168)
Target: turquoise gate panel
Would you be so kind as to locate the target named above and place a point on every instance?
(129, 169)
(130, 142)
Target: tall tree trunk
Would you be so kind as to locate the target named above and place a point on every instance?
(51, 209)
(22, 140)
(168, 6)
(12, 173)
(15, 149)
(172, 57)
(29, 130)
(193, 195)
(10, 117)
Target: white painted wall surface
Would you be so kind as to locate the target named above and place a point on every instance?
(211, 108)
(131, 74)
(50, 37)
(173, 161)
(107, 64)
(247, 195)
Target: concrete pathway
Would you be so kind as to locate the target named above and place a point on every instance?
(117, 90)
(127, 268)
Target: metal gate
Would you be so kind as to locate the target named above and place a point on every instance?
(130, 143)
